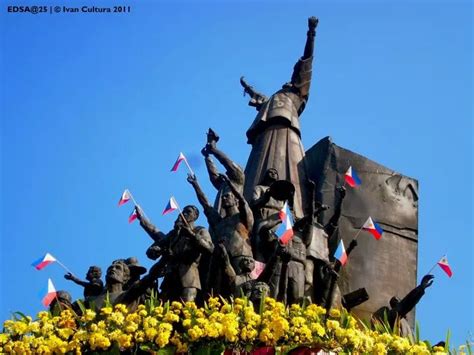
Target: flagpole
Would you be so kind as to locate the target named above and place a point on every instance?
(436, 263)
(136, 204)
(64, 267)
(181, 212)
(358, 232)
(189, 168)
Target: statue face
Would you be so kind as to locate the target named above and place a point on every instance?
(93, 273)
(272, 174)
(116, 272)
(247, 264)
(189, 214)
(228, 199)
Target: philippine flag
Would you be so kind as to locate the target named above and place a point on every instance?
(180, 159)
(285, 231)
(259, 267)
(340, 253)
(171, 206)
(373, 228)
(351, 178)
(443, 264)
(133, 216)
(125, 198)
(41, 263)
(50, 294)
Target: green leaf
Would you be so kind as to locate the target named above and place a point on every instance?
(417, 332)
(81, 305)
(448, 337)
(22, 317)
(169, 350)
(261, 307)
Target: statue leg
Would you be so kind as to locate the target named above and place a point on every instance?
(188, 294)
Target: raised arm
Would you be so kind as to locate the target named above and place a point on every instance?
(149, 227)
(414, 296)
(233, 170)
(246, 215)
(192, 179)
(309, 46)
(333, 223)
(211, 168)
(302, 71)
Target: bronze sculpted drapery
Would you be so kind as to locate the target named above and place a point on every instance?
(275, 133)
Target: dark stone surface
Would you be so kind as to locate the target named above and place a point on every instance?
(385, 267)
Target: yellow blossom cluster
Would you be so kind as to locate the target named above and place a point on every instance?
(182, 327)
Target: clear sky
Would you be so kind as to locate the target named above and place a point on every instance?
(92, 103)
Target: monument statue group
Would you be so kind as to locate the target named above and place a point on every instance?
(277, 228)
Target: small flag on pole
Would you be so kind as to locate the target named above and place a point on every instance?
(180, 159)
(443, 264)
(171, 206)
(133, 216)
(373, 228)
(285, 231)
(125, 198)
(351, 177)
(259, 267)
(50, 294)
(41, 263)
(340, 253)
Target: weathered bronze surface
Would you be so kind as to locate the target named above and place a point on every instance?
(275, 133)
(384, 267)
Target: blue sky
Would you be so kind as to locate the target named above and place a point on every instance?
(94, 103)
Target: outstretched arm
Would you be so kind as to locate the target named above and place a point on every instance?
(414, 296)
(76, 280)
(256, 99)
(149, 227)
(192, 179)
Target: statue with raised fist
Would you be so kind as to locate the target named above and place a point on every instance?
(275, 133)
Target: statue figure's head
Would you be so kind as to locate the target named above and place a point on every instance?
(271, 175)
(247, 264)
(228, 199)
(94, 272)
(190, 213)
(394, 301)
(135, 268)
(259, 290)
(118, 272)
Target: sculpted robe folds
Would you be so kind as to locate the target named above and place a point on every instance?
(276, 140)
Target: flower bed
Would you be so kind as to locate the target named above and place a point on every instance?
(219, 325)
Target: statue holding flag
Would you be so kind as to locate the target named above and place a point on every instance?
(233, 230)
(399, 308)
(181, 251)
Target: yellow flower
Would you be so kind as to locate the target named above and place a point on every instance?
(117, 317)
(332, 324)
(379, 349)
(124, 341)
(334, 313)
(121, 308)
(88, 316)
(106, 311)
